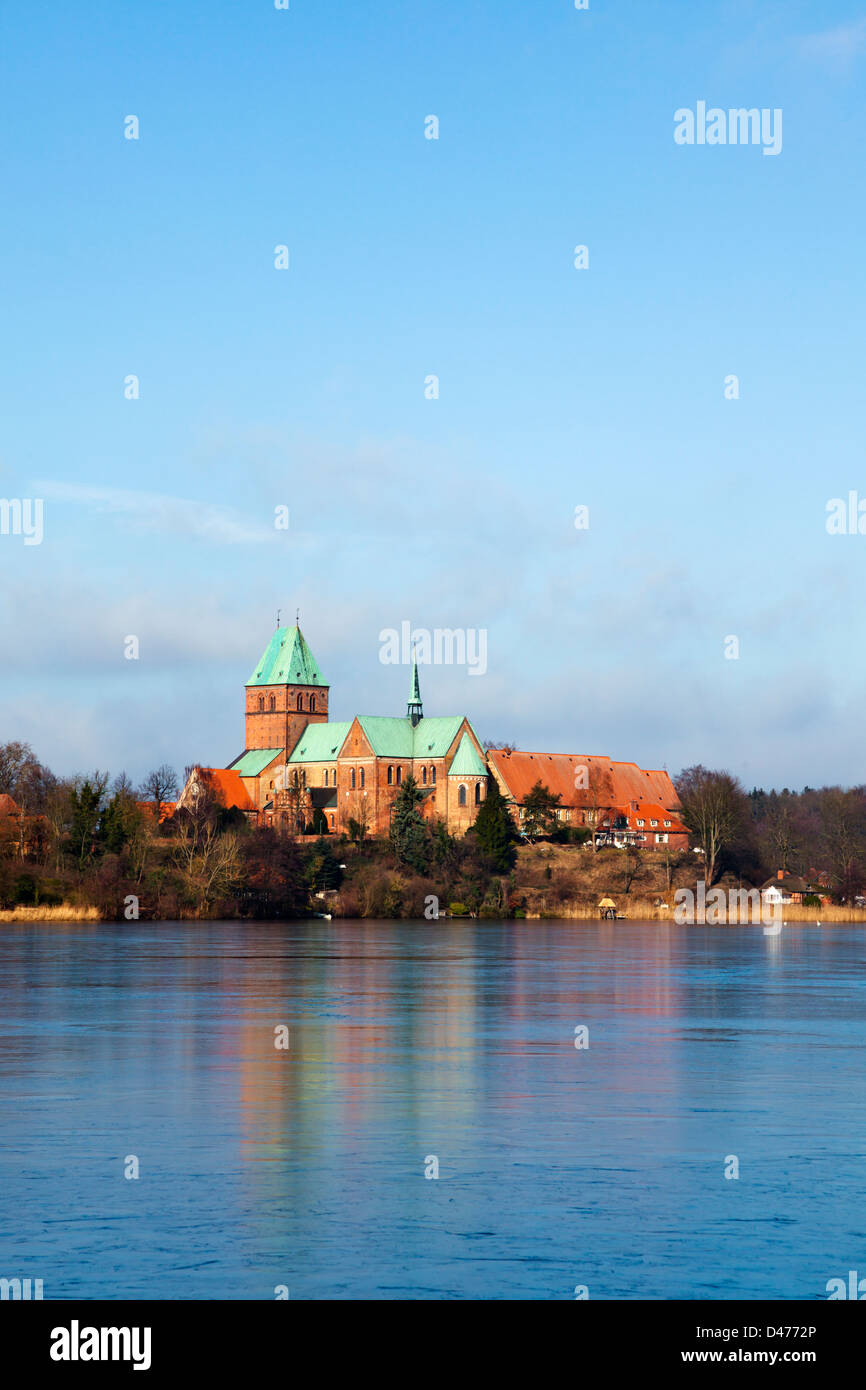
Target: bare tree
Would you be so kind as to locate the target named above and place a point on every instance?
(715, 810)
(593, 795)
(159, 786)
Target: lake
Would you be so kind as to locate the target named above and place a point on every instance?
(153, 1047)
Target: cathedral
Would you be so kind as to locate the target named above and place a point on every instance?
(299, 769)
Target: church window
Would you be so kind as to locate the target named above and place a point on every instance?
(399, 776)
(299, 703)
(352, 777)
(433, 775)
(312, 704)
(326, 777)
(477, 793)
(261, 702)
(390, 775)
(331, 819)
(362, 777)
(272, 703)
(424, 776)
(461, 795)
(295, 777)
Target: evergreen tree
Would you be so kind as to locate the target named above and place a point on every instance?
(409, 838)
(494, 829)
(86, 804)
(120, 820)
(539, 809)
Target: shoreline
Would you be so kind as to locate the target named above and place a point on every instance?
(795, 915)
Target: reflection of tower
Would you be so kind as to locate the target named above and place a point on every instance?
(285, 693)
(414, 710)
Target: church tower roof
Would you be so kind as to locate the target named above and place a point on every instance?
(287, 660)
(414, 710)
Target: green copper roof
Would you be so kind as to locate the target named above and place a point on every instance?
(319, 743)
(287, 660)
(396, 738)
(466, 761)
(253, 761)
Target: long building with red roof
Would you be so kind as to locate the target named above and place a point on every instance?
(620, 803)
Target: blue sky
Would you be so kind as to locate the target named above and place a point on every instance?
(409, 257)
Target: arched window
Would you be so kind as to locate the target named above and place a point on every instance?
(299, 703)
(424, 776)
(295, 777)
(272, 702)
(326, 776)
(331, 819)
(261, 702)
(477, 793)
(399, 775)
(390, 775)
(352, 776)
(303, 777)
(312, 704)
(362, 777)
(433, 775)
(461, 795)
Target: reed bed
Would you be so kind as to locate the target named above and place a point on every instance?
(640, 910)
(64, 912)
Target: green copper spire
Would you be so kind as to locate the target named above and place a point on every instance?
(414, 710)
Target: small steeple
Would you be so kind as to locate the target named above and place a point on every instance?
(414, 710)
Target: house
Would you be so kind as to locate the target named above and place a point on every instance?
(10, 825)
(790, 888)
(620, 803)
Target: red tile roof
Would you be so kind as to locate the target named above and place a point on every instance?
(631, 784)
(229, 787)
(8, 807)
(166, 809)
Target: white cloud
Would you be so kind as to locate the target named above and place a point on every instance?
(838, 46)
(154, 511)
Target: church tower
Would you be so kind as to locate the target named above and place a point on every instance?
(285, 693)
